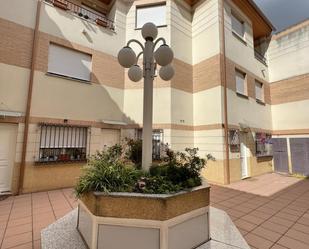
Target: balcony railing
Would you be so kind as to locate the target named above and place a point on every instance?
(98, 18)
(260, 57)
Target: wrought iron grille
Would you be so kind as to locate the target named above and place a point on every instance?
(84, 12)
(62, 143)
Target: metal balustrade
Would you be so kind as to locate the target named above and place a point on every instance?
(99, 18)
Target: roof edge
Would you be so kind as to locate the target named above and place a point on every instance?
(257, 8)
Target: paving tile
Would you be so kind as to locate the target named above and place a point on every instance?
(19, 221)
(281, 221)
(260, 215)
(267, 234)
(304, 221)
(292, 243)
(286, 216)
(23, 246)
(17, 240)
(244, 225)
(274, 227)
(297, 235)
(18, 229)
(62, 212)
(37, 244)
(253, 219)
(235, 213)
(257, 241)
(292, 212)
(277, 246)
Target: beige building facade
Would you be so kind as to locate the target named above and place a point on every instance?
(239, 93)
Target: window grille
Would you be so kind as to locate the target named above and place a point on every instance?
(62, 143)
(264, 145)
(157, 142)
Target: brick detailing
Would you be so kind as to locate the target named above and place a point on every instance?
(105, 68)
(290, 90)
(207, 74)
(15, 44)
(231, 82)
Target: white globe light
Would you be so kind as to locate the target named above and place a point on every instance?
(167, 72)
(149, 30)
(164, 55)
(126, 57)
(135, 73)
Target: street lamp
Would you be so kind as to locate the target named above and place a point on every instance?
(162, 56)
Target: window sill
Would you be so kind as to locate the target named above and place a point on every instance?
(160, 26)
(239, 38)
(260, 102)
(242, 95)
(60, 162)
(68, 78)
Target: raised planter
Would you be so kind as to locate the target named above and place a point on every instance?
(139, 221)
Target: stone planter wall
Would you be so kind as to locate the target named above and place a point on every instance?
(139, 221)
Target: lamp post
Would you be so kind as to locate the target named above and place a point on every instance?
(162, 56)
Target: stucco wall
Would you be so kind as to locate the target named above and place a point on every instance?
(287, 54)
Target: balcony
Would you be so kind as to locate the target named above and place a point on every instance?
(83, 12)
(260, 57)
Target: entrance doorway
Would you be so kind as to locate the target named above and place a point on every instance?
(244, 155)
(8, 136)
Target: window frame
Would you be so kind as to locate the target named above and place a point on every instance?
(144, 6)
(56, 145)
(245, 93)
(262, 99)
(242, 22)
(60, 75)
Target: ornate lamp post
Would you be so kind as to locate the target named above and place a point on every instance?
(162, 56)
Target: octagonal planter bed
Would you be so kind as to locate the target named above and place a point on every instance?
(140, 221)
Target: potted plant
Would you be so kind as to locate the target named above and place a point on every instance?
(101, 22)
(165, 202)
(60, 4)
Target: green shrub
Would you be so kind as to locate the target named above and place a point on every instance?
(109, 171)
(134, 151)
(106, 172)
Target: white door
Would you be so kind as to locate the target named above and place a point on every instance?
(109, 137)
(243, 156)
(8, 135)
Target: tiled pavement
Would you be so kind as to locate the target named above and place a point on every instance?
(22, 217)
(277, 221)
(266, 219)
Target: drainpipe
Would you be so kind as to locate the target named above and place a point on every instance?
(30, 87)
(226, 131)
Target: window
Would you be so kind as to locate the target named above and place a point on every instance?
(264, 146)
(62, 143)
(238, 26)
(259, 91)
(69, 63)
(155, 14)
(241, 86)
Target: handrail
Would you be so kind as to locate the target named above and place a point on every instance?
(260, 57)
(87, 14)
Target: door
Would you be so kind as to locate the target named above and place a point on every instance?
(300, 155)
(8, 135)
(280, 151)
(243, 156)
(109, 137)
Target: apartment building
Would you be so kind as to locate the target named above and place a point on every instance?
(64, 96)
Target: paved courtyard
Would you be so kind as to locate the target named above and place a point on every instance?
(271, 211)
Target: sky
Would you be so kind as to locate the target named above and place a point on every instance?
(284, 13)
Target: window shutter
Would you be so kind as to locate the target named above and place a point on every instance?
(240, 82)
(68, 62)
